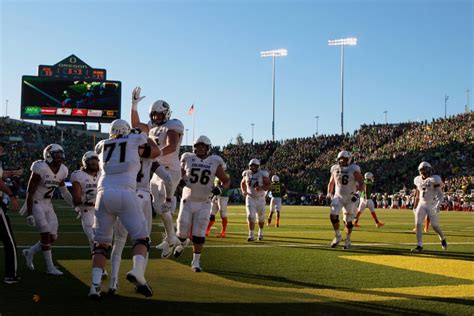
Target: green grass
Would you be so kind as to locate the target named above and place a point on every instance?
(292, 271)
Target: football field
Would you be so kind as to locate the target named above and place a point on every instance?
(293, 270)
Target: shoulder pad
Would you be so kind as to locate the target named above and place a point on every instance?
(175, 125)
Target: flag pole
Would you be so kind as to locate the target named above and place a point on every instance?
(193, 125)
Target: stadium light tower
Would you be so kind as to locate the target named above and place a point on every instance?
(446, 97)
(317, 124)
(385, 112)
(274, 53)
(350, 41)
(253, 124)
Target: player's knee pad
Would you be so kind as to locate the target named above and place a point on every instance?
(334, 218)
(142, 241)
(199, 240)
(102, 249)
(349, 225)
(212, 218)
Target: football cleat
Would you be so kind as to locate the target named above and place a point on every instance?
(95, 292)
(444, 244)
(251, 238)
(13, 280)
(178, 251)
(196, 267)
(113, 287)
(104, 274)
(418, 249)
(379, 224)
(54, 271)
(260, 237)
(29, 259)
(140, 283)
(336, 241)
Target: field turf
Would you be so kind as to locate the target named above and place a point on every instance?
(292, 271)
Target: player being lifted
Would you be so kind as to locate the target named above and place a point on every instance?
(199, 170)
(278, 191)
(219, 204)
(255, 182)
(168, 134)
(428, 199)
(119, 158)
(346, 180)
(147, 167)
(366, 201)
(46, 176)
(84, 192)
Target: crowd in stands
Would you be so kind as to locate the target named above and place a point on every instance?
(391, 152)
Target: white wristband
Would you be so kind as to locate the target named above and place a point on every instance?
(134, 106)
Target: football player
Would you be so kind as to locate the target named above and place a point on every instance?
(219, 204)
(119, 163)
(198, 171)
(255, 182)
(345, 182)
(366, 201)
(84, 191)
(278, 190)
(148, 166)
(168, 135)
(46, 175)
(428, 199)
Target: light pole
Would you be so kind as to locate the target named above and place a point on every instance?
(6, 108)
(351, 41)
(274, 53)
(317, 124)
(467, 104)
(385, 112)
(446, 97)
(187, 129)
(253, 124)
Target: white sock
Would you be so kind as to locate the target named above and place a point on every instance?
(115, 262)
(35, 248)
(167, 220)
(48, 258)
(338, 233)
(96, 276)
(146, 261)
(196, 259)
(260, 232)
(251, 233)
(419, 235)
(138, 263)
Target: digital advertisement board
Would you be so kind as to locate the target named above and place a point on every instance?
(61, 99)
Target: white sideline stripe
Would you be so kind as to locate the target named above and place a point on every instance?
(257, 245)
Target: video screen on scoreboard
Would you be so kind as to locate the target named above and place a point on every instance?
(70, 100)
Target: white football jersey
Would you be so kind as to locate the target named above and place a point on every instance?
(119, 161)
(200, 174)
(88, 185)
(254, 180)
(427, 188)
(344, 179)
(159, 134)
(144, 175)
(49, 180)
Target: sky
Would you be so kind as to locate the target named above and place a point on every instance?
(409, 55)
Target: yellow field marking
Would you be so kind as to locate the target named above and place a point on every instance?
(452, 268)
(173, 281)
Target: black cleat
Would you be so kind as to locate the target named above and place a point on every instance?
(444, 244)
(418, 249)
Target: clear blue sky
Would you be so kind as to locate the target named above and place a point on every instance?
(409, 55)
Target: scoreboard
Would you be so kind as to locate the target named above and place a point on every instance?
(71, 68)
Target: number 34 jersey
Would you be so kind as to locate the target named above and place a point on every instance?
(200, 175)
(344, 179)
(49, 180)
(119, 162)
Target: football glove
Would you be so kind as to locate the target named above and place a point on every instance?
(77, 209)
(216, 191)
(166, 207)
(136, 97)
(355, 197)
(30, 220)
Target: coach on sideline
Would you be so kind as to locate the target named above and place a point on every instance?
(6, 234)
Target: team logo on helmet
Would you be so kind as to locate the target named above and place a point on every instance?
(88, 156)
(157, 107)
(203, 140)
(53, 151)
(119, 127)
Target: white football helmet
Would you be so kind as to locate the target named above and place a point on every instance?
(160, 106)
(88, 155)
(119, 127)
(51, 151)
(204, 140)
(343, 154)
(275, 178)
(369, 176)
(254, 161)
(424, 164)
